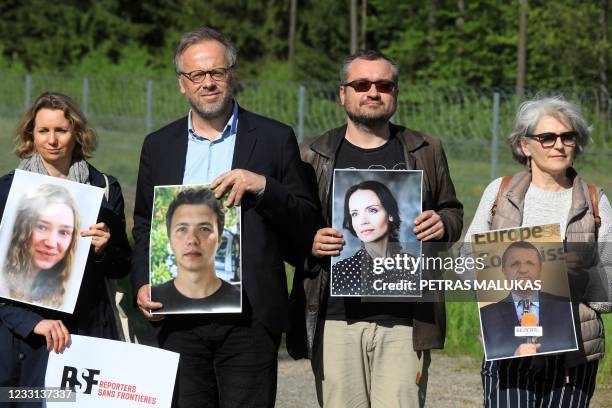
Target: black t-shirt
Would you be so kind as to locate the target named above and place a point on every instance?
(389, 156)
(225, 299)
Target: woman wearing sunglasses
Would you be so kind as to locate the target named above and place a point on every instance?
(548, 135)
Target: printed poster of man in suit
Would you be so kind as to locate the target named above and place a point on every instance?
(529, 312)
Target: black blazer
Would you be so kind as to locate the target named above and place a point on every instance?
(93, 314)
(277, 227)
(499, 319)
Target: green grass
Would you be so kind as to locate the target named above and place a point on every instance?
(463, 331)
(604, 375)
(117, 154)
(119, 151)
(470, 171)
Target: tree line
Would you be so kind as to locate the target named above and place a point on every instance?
(518, 43)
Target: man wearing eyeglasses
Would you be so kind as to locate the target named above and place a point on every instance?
(227, 360)
(374, 353)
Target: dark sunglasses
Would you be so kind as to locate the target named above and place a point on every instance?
(363, 85)
(548, 139)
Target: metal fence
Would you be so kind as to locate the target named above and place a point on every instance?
(465, 116)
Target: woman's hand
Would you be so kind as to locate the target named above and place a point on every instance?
(327, 242)
(55, 332)
(101, 235)
(428, 226)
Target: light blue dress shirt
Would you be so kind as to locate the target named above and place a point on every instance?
(533, 308)
(207, 159)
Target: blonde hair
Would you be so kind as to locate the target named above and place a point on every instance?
(48, 285)
(86, 140)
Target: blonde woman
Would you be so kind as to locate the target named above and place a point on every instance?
(54, 139)
(42, 246)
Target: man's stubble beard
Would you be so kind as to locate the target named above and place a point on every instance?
(370, 121)
(217, 110)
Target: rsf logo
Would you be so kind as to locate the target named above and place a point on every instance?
(87, 377)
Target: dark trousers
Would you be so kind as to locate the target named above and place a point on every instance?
(22, 364)
(540, 381)
(223, 365)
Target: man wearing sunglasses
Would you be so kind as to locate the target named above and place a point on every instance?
(227, 360)
(374, 353)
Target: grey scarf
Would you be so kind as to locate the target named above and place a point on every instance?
(79, 171)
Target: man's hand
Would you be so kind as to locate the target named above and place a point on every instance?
(327, 242)
(101, 235)
(145, 305)
(55, 333)
(428, 226)
(240, 181)
(527, 349)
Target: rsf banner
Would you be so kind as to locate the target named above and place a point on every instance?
(107, 373)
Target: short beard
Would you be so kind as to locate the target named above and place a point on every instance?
(215, 111)
(369, 122)
(372, 121)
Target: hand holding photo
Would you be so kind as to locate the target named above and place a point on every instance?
(194, 252)
(526, 307)
(375, 210)
(103, 373)
(42, 261)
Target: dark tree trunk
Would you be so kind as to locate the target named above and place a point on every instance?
(521, 60)
(604, 100)
(292, 29)
(364, 27)
(353, 26)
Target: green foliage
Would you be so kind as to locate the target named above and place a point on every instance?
(273, 70)
(323, 38)
(52, 36)
(10, 64)
(437, 42)
(463, 329)
(119, 44)
(556, 56)
(257, 29)
(443, 42)
(162, 259)
(130, 59)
